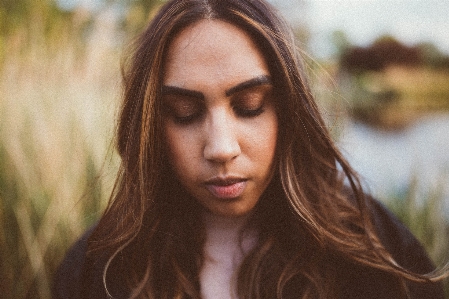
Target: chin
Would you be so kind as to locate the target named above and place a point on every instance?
(231, 212)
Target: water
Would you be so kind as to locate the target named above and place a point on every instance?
(389, 161)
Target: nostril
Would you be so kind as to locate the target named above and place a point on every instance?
(221, 149)
(221, 154)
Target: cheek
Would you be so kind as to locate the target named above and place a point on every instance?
(270, 142)
(261, 140)
(182, 149)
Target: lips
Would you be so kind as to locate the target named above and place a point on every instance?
(226, 188)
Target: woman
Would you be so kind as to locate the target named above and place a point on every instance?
(230, 185)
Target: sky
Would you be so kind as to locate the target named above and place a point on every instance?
(410, 21)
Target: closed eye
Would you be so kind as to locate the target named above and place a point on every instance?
(183, 109)
(249, 112)
(251, 102)
(186, 120)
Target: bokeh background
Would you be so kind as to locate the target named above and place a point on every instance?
(380, 72)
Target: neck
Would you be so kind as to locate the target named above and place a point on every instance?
(226, 238)
(226, 245)
(222, 227)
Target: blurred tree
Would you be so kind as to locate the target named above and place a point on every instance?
(137, 13)
(295, 11)
(432, 56)
(383, 52)
(27, 13)
(340, 41)
(44, 16)
(29, 23)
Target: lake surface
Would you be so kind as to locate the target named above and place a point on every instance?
(390, 161)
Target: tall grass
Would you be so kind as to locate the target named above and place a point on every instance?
(425, 214)
(57, 108)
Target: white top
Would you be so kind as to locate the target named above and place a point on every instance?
(223, 254)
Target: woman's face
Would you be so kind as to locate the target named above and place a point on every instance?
(219, 117)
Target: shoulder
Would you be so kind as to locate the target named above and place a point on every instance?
(405, 249)
(398, 240)
(78, 276)
(67, 281)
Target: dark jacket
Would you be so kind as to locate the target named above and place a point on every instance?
(79, 278)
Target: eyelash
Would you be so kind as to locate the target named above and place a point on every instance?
(248, 113)
(245, 113)
(186, 120)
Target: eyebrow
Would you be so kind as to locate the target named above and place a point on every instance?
(173, 90)
(260, 80)
(257, 81)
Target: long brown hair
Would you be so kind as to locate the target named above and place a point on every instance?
(314, 208)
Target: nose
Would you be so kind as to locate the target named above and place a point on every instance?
(222, 143)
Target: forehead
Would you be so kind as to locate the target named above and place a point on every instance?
(212, 50)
